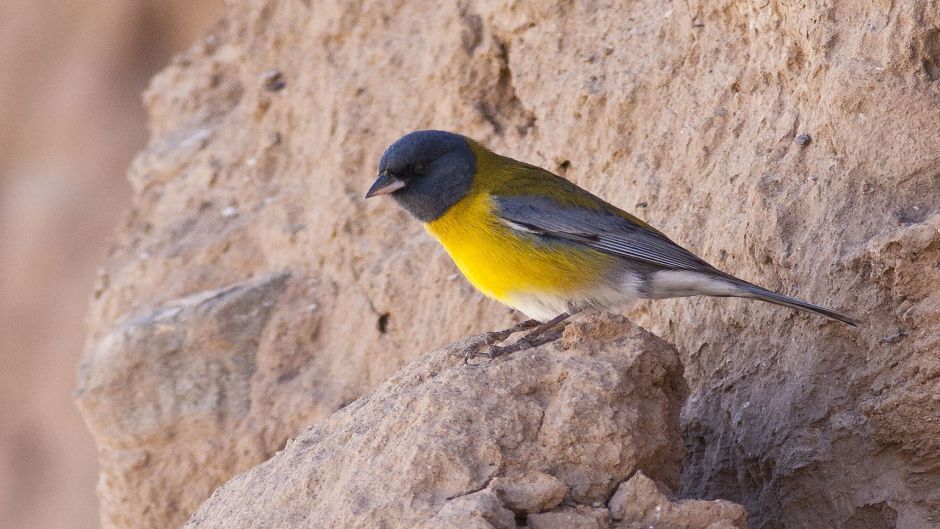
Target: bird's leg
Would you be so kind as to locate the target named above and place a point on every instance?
(521, 326)
(528, 324)
(546, 326)
(529, 340)
(491, 338)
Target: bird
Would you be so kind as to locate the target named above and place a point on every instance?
(540, 244)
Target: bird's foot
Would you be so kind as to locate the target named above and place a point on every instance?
(526, 342)
(521, 326)
(490, 339)
(535, 338)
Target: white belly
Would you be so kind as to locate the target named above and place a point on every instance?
(543, 306)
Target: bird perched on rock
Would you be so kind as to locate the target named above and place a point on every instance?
(537, 242)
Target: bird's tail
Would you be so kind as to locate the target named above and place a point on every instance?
(753, 291)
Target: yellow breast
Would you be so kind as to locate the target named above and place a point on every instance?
(503, 264)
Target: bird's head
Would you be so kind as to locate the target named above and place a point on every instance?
(426, 172)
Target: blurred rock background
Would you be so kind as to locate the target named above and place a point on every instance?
(71, 118)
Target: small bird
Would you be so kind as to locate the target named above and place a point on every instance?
(537, 242)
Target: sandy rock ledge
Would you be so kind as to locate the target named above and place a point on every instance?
(540, 439)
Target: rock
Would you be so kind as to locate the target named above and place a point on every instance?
(690, 109)
(568, 519)
(639, 504)
(173, 388)
(440, 441)
(532, 492)
(479, 510)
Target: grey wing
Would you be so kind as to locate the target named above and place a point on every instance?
(616, 235)
(596, 229)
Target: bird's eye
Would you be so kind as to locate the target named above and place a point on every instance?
(420, 168)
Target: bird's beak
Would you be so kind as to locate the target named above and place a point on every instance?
(384, 185)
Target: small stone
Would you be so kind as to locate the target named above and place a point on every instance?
(803, 140)
(567, 519)
(273, 81)
(532, 492)
(639, 500)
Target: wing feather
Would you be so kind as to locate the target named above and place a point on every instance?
(596, 229)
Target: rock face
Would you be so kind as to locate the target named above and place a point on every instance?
(792, 144)
(444, 444)
(192, 416)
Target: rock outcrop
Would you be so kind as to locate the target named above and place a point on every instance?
(190, 417)
(543, 437)
(792, 144)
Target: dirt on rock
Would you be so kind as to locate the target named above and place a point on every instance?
(690, 114)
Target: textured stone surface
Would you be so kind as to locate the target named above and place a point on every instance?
(173, 388)
(531, 492)
(446, 444)
(639, 503)
(686, 113)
